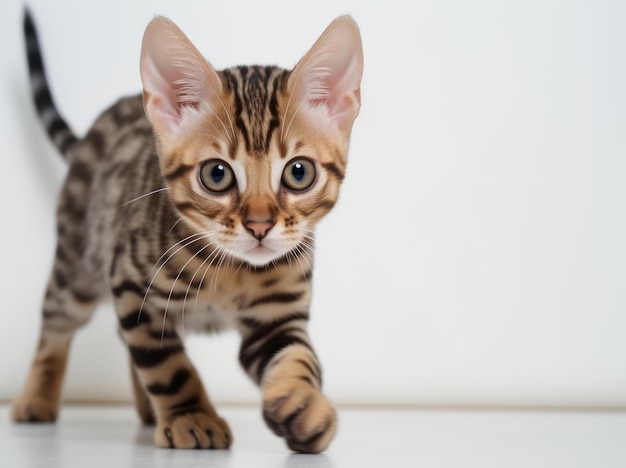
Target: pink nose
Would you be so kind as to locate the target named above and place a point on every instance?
(259, 229)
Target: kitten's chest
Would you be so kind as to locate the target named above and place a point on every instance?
(206, 319)
(211, 301)
(217, 298)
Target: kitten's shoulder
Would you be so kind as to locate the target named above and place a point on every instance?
(126, 111)
(124, 117)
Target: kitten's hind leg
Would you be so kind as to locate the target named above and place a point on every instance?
(67, 306)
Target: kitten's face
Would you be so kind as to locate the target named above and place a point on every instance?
(253, 156)
(257, 201)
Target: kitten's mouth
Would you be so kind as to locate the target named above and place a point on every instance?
(261, 249)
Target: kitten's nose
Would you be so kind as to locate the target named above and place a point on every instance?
(259, 228)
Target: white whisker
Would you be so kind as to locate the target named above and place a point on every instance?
(215, 252)
(302, 257)
(145, 195)
(239, 267)
(198, 289)
(232, 128)
(169, 297)
(293, 116)
(174, 225)
(145, 296)
(294, 79)
(217, 270)
(197, 235)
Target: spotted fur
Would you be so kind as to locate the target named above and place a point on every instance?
(137, 220)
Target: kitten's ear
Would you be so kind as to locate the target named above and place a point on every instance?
(329, 75)
(177, 80)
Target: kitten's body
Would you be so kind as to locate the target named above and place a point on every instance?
(153, 221)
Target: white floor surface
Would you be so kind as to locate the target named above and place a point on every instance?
(110, 436)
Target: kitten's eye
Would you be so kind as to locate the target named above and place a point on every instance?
(299, 174)
(217, 176)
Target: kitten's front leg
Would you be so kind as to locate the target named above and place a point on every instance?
(279, 357)
(185, 417)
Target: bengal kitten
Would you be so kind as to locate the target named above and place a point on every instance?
(195, 206)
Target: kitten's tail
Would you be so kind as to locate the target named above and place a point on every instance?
(58, 130)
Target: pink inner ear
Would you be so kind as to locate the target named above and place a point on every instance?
(176, 78)
(161, 113)
(331, 72)
(345, 84)
(161, 102)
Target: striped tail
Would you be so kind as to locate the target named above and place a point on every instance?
(58, 130)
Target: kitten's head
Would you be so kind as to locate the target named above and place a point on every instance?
(252, 156)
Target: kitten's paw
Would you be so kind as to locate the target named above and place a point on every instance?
(301, 415)
(34, 409)
(193, 430)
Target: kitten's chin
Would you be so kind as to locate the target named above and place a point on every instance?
(259, 255)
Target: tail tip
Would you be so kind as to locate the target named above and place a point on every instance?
(29, 25)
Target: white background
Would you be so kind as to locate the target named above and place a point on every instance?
(478, 253)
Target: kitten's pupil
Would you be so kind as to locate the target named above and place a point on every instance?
(298, 171)
(218, 173)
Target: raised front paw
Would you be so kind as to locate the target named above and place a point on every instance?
(34, 409)
(193, 430)
(300, 414)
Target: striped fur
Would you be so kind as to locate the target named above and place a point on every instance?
(136, 221)
(55, 125)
